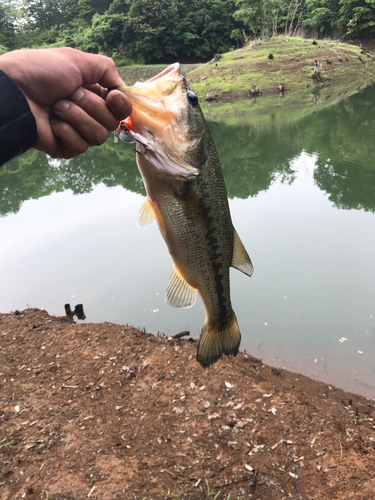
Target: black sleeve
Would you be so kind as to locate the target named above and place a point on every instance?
(18, 131)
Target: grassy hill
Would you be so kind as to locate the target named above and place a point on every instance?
(345, 71)
(292, 64)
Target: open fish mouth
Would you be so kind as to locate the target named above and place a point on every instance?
(158, 109)
(167, 71)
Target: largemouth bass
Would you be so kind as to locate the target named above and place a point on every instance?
(186, 194)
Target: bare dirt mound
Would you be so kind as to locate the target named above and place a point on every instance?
(104, 411)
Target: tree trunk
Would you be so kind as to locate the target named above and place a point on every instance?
(287, 17)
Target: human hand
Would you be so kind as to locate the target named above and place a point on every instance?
(67, 93)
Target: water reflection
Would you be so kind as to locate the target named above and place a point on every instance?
(302, 197)
(252, 157)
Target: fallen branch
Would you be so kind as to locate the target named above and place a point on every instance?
(246, 477)
(180, 335)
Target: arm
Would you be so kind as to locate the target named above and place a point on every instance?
(17, 124)
(66, 91)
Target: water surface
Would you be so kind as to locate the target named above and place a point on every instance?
(302, 197)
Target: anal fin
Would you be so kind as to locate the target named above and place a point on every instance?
(179, 293)
(240, 258)
(146, 214)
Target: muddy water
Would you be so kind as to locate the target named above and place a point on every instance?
(302, 197)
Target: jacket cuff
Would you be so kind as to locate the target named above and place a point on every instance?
(18, 131)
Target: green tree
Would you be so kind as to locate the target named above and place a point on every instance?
(358, 16)
(100, 6)
(252, 13)
(150, 24)
(322, 15)
(165, 30)
(106, 31)
(9, 13)
(43, 14)
(265, 17)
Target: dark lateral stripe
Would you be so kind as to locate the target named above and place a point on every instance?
(215, 259)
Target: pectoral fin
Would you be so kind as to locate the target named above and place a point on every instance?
(179, 293)
(146, 214)
(240, 258)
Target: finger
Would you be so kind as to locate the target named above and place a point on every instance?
(46, 140)
(71, 143)
(95, 107)
(119, 104)
(87, 127)
(97, 89)
(95, 68)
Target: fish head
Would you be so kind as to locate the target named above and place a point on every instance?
(168, 124)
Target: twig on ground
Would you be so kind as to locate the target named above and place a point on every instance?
(181, 334)
(246, 477)
(171, 473)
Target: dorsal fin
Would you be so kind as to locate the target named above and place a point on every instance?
(179, 293)
(240, 258)
(146, 214)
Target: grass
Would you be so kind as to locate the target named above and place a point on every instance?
(236, 71)
(231, 78)
(234, 74)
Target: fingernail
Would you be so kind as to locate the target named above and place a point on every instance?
(61, 105)
(118, 102)
(77, 95)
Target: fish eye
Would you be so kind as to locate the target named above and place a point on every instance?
(192, 98)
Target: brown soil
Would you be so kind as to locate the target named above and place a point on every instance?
(107, 412)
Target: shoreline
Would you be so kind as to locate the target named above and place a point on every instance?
(111, 410)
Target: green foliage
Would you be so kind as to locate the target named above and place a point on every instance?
(8, 24)
(322, 15)
(252, 13)
(106, 31)
(361, 15)
(268, 17)
(168, 30)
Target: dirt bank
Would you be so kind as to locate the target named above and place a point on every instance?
(108, 412)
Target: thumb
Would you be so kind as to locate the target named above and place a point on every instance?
(118, 104)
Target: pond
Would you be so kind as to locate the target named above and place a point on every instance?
(302, 198)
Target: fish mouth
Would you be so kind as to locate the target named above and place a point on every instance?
(158, 107)
(156, 102)
(173, 70)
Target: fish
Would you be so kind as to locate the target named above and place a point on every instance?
(186, 195)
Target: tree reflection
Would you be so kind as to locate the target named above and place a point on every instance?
(340, 137)
(34, 175)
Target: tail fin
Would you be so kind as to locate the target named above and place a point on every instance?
(213, 344)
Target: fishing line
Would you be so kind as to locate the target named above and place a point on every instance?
(291, 460)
